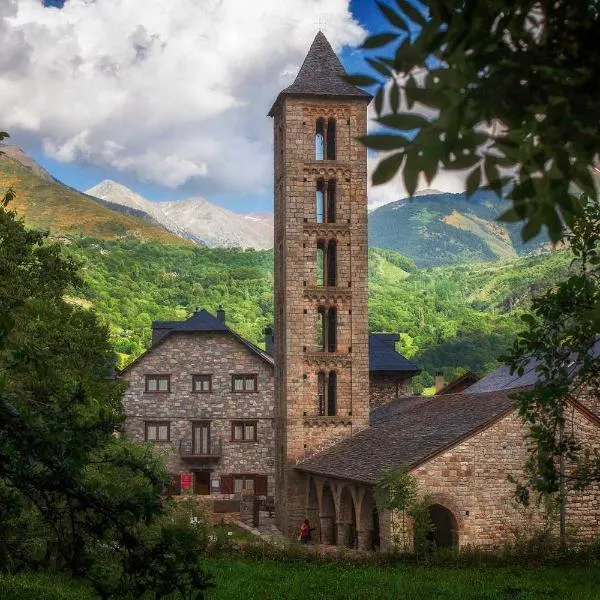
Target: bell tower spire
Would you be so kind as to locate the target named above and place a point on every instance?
(321, 321)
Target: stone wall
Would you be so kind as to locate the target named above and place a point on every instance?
(181, 355)
(471, 481)
(384, 388)
(298, 297)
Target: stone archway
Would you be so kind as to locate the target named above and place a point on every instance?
(328, 516)
(368, 524)
(313, 510)
(445, 527)
(347, 521)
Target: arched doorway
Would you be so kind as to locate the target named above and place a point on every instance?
(368, 535)
(445, 527)
(328, 517)
(347, 534)
(313, 511)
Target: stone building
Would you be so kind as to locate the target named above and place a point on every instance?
(205, 395)
(460, 446)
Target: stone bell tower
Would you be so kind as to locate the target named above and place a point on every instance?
(321, 321)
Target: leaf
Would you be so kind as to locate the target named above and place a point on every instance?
(510, 216)
(583, 178)
(430, 97)
(383, 142)
(403, 121)
(3, 134)
(411, 174)
(531, 229)
(360, 80)
(412, 13)
(387, 168)
(473, 181)
(376, 41)
(393, 18)
(395, 97)
(462, 161)
(492, 174)
(379, 99)
(379, 67)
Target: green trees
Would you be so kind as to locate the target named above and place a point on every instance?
(69, 488)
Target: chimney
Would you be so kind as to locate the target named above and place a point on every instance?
(269, 340)
(221, 314)
(439, 381)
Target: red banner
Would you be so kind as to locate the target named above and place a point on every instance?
(186, 481)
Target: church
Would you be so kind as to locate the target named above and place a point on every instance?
(316, 417)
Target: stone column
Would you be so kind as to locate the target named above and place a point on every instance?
(343, 534)
(364, 540)
(327, 530)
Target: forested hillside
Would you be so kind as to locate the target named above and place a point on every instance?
(443, 228)
(452, 318)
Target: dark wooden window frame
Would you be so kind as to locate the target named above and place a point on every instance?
(244, 422)
(196, 377)
(245, 376)
(202, 423)
(157, 424)
(157, 377)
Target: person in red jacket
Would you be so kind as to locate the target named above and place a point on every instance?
(305, 530)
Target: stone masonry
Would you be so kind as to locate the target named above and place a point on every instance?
(298, 295)
(181, 355)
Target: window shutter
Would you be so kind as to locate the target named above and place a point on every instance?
(261, 485)
(226, 484)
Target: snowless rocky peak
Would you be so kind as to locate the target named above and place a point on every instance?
(195, 218)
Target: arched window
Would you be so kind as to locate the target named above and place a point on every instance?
(332, 394)
(331, 330)
(321, 329)
(320, 202)
(331, 263)
(321, 384)
(331, 139)
(320, 140)
(320, 274)
(331, 201)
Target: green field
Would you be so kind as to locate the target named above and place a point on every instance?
(271, 580)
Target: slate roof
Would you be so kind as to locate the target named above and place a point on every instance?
(201, 320)
(321, 75)
(465, 378)
(408, 431)
(501, 378)
(384, 358)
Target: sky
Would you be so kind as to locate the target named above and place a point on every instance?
(167, 97)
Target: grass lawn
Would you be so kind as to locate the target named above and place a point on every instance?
(269, 580)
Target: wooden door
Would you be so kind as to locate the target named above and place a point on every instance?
(202, 483)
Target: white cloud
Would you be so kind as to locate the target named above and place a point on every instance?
(174, 91)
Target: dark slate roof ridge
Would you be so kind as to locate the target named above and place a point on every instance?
(384, 358)
(321, 74)
(414, 430)
(457, 381)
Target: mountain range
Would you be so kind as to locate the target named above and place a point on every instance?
(194, 218)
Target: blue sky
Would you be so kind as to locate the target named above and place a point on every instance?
(83, 155)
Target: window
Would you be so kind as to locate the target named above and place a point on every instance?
(331, 201)
(244, 383)
(158, 383)
(327, 393)
(243, 483)
(243, 431)
(320, 275)
(331, 263)
(326, 329)
(202, 383)
(320, 202)
(331, 139)
(201, 437)
(320, 140)
(158, 431)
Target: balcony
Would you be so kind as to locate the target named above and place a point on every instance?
(212, 450)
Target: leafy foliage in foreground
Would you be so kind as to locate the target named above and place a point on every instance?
(449, 62)
(70, 489)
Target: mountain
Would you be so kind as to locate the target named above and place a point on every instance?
(45, 203)
(441, 228)
(195, 218)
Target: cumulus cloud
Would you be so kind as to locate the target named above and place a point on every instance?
(175, 92)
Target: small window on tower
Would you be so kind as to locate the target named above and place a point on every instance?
(331, 263)
(320, 274)
(320, 202)
(331, 139)
(320, 140)
(332, 394)
(331, 201)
